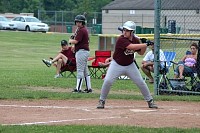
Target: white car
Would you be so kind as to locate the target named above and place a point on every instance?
(6, 24)
(29, 23)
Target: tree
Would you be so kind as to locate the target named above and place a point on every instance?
(90, 5)
(59, 5)
(32, 6)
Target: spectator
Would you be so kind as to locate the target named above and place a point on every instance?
(148, 62)
(64, 56)
(187, 63)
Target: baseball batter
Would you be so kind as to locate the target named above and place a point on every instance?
(123, 64)
(81, 43)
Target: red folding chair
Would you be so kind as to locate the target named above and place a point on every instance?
(69, 67)
(97, 71)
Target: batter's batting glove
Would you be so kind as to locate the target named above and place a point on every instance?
(143, 40)
(149, 43)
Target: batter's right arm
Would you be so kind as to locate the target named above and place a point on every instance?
(139, 48)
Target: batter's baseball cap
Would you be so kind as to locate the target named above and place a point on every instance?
(63, 43)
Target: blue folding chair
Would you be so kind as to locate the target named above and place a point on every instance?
(169, 58)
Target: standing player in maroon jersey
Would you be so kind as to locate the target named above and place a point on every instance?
(123, 64)
(80, 41)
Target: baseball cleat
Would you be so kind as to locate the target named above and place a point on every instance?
(77, 91)
(101, 104)
(151, 104)
(88, 91)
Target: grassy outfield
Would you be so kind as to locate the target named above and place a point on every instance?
(22, 73)
(90, 129)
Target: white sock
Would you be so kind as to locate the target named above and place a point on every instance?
(79, 84)
(88, 82)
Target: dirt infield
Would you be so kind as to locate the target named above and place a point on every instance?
(117, 112)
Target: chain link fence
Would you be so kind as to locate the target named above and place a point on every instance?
(178, 30)
(97, 22)
(63, 21)
(183, 30)
(144, 22)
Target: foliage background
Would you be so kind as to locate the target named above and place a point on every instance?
(32, 6)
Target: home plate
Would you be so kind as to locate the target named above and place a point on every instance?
(142, 110)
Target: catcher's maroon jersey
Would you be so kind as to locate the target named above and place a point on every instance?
(82, 38)
(122, 55)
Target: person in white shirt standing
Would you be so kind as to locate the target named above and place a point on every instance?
(148, 62)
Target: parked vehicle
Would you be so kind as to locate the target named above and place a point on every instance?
(29, 23)
(6, 24)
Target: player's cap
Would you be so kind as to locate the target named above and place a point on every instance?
(63, 43)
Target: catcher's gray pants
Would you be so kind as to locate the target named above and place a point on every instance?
(81, 63)
(115, 70)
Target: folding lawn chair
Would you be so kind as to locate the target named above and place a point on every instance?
(69, 67)
(176, 85)
(169, 57)
(192, 75)
(97, 71)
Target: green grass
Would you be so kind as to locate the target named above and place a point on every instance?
(91, 129)
(22, 73)
(21, 55)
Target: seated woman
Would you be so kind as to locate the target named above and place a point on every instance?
(187, 64)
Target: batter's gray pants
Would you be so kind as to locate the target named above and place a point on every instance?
(115, 70)
(81, 63)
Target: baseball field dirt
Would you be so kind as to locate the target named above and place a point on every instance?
(116, 112)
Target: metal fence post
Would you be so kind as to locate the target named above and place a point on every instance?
(157, 6)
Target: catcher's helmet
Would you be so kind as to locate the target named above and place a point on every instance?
(80, 18)
(129, 25)
(63, 43)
